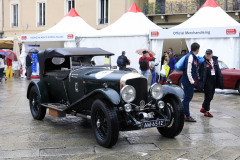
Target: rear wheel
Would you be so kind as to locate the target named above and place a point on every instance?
(38, 112)
(174, 111)
(105, 123)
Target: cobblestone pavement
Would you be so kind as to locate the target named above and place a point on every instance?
(22, 137)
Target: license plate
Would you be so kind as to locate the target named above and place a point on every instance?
(153, 123)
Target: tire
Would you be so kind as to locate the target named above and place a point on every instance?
(174, 111)
(38, 112)
(238, 87)
(105, 123)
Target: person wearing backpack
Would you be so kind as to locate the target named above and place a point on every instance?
(122, 61)
(144, 63)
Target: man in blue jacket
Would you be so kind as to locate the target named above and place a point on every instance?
(188, 79)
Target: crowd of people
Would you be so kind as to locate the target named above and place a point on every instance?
(207, 74)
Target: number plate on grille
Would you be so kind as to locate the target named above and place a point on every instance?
(153, 123)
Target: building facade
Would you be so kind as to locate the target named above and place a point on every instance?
(169, 13)
(34, 16)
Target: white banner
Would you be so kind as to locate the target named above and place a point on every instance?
(48, 37)
(194, 33)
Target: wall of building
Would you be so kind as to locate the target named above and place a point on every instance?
(1, 17)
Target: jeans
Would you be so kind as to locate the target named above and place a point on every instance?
(154, 77)
(145, 73)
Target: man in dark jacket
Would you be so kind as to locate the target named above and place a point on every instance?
(122, 61)
(188, 79)
(29, 62)
(210, 77)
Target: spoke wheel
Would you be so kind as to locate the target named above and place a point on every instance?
(101, 123)
(105, 123)
(174, 111)
(38, 112)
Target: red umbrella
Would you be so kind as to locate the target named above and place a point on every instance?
(11, 55)
(140, 51)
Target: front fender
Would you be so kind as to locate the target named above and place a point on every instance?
(173, 89)
(109, 94)
(42, 89)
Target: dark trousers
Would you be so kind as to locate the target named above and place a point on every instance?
(29, 72)
(122, 68)
(188, 91)
(1, 73)
(209, 90)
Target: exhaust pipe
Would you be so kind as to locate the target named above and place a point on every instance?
(81, 115)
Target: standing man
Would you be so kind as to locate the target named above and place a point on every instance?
(188, 79)
(172, 62)
(9, 71)
(210, 77)
(29, 65)
(122, 61)
(144, 63)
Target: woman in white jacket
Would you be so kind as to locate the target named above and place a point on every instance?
(1, 67)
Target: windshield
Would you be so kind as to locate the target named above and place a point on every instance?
(88, 61)
(222, 65)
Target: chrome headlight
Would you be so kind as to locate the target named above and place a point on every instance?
(156, 91)
(128, 93)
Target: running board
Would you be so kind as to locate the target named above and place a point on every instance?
(55, 106)
(56, 109)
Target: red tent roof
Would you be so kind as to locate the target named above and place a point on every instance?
(210, 3)
(73, 13)
(134, 8)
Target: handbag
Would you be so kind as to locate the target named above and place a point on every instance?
(163, 71)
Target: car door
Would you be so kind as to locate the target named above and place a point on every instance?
(75, 86)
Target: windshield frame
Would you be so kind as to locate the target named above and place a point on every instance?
(91, 65)
(222, 65)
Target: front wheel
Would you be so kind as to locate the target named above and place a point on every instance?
(174, 111)
(38, 112)
(105, 123)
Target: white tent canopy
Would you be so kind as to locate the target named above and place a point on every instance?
(72, 23)
(129, 33)
(212, 28)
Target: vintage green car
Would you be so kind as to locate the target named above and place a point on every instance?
(81, 82)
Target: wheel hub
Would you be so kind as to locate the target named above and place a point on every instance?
(98, 123)
(33, 102)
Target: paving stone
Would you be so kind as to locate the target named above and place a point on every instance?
(127, 148)
(19, 153)
(65, 151)
(230, 153)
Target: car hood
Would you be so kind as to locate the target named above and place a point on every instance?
(232, 70)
